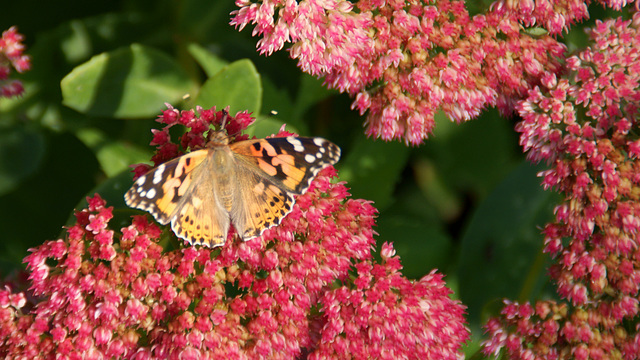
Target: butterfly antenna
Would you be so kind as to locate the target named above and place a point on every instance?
(225, 120)
(225, 117)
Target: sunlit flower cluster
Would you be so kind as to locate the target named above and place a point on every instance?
(586, 127)
(306, 288)
(11, 56)
(555, 16)
(403, 61)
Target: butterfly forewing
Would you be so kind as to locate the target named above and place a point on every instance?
(162, 190)
(291, 162)
(258, 203)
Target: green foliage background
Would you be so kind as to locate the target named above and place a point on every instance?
(465, 203)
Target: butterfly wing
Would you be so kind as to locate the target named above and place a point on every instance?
(270, 172)
(201, 197)
(258, 203)
(161, 190)
(289, 162)
(178, 192)
(201, 219)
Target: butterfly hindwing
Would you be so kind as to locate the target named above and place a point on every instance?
(201, 218)
(258, 203)
(289, 162)
(161, 190)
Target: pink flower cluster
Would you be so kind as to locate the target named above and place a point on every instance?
(199, 122)
(585, 126)
(404, 61)
(555, 16)
(11, 55)
(306, 288)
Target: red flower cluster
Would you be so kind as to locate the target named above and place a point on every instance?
(586, 125)
(306, 288)
(11, 49)
(403, 61)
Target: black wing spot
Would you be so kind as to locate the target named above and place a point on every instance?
(279, 173)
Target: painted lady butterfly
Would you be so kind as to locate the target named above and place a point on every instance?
(249, 184)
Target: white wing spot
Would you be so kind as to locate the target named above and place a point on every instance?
(319, 142)
(196, 201)
(151, 193)
(157, 175)
(141, 180)
(142, 193)
(309, 158)
(297, 145)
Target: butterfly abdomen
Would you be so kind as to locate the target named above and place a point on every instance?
(223, 171)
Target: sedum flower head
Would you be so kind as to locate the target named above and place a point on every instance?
(308, 288)
(404, 61)
(11, 56)
(585, 127)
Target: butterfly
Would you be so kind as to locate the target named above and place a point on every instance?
(250, 184)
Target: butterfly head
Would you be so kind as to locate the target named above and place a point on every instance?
(217, 138)
(229, 129)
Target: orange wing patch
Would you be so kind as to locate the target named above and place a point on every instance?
(202, 220)
(161, 190)
(258, 205)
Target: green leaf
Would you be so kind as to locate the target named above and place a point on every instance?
(437, 191)
(537, 31)
(114, 156)
(210, 62)
(55, 53)
(277, 103)
(423, 245)
(21, 153)
(501, 249)
(236, 85)
(37, 208)
(311, 92)
(416, 231)
(203, 21)
(132, 82)
(266, 126)
(379, 160)
(473, 156)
